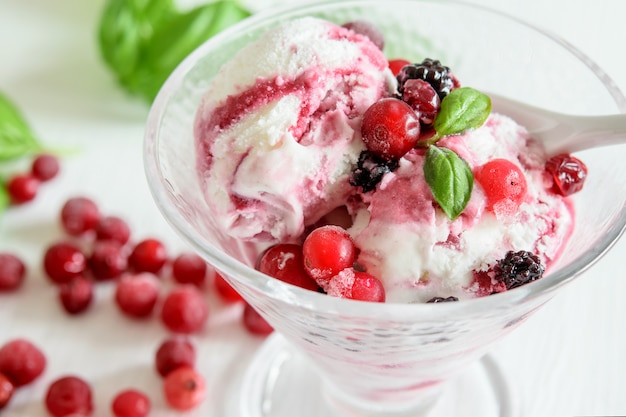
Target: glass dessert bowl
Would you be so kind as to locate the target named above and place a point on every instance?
(389, 359)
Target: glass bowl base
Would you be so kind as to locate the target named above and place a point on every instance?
(280, 382)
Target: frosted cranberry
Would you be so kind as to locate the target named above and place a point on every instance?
(254, 322)
(76, 295)
(368, 29)
(45, 167)
(79, 215)
(108, 260)
(137, 295)
(225, 290)
(22, 188)
(327, 251)
(284, 261)
(69, 396)
(568, 173)
(504, 185)
(189, 268)
(21, 361)
(395, 65)
(174, 353)
(113, 228)
(356, 285)
(130, 403)
(63, 261)
(6, 390)
(184, 388)
(184, 310)
(390, 128)
(12, 272)
(422, 98)
(149, 255)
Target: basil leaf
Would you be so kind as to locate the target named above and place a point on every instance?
(16, 138)
(463, 109)
(450, 179)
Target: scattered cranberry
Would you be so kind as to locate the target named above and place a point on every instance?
(76, 295)
(149, 255)
(79, 215)
(174, 353)
(6, 390)
(45, 167)
(12, 272)
(113, 228)
(184, 388)
(63, 261)
(184, 310)
(254, 322)
(504, 184)
(284, 261)
(568, 173)
(225, 290)
(131, 403)
(108, 260)
(395, 65)
(327, 251)
(422, 98)
(21, 361)
(189, 268)
(69, 396)
(356, 285)
(136, 295)
(368, 29)
(390, 128)
(22, 188)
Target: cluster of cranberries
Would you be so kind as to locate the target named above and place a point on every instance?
(22, 187)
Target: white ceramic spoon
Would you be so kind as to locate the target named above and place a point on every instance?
(560, 132)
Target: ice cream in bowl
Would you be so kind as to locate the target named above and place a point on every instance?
(343, 168)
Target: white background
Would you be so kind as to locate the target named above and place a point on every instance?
(567, 360)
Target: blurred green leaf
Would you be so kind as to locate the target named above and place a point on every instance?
(16, 137)
(4, 198)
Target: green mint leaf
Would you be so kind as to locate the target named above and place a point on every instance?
(4, 197)
(16, 138)
(463, 109)
(450, 179)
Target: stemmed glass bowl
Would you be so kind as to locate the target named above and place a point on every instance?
(337, 357)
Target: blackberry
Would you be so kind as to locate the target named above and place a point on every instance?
(442, 300)
(431, 71)
(518, 268)
(370, 170)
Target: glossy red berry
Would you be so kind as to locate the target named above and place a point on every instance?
(356, 285)
(76, 295)
(45, 167)
(184, 310)
(12, 272)
(137, 295)
(327, 251)
(79, 215)
(6, 390)
(149, 255)
(504, 185)
(395, 65)
(254, 322)
(108, 260)
(113, 228)
(174, 353)
(130, 403)
(69, 396)
(284, 261)
(21, 361)
(422, 98)
(22, 188)
(189, 268)
(63, 261)
(390, 128)
(568, 173)
(184, 388)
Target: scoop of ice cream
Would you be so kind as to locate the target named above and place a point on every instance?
(278, 130)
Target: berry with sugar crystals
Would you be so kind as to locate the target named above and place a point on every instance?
(254, 322)
(12, 272)
(435, 300)
(356, 285)
(113, 228)
(108, 260)
(21, 361)
(396, 65)
(45, 167)
(79, 215)
(390, 128)
(284, 261)
(149, 255)
(368, 29)
(189, 268)
(184, 388)
(504, 185)
(22, 188)
(327, 251)
(422, 98)
(137, 295)
(184, 310)
(76, 295)
(518, 268)
(174, 353)
(69, 396)
(130, 403)
(6, 390)
(226, 292)
(63, 261)
(431, 71)
(370, 170)
(568, 173)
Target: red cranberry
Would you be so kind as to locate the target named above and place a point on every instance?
(21, 361)
(284, 261)
(184, 388)
(395, 65)
(184, 310)
(504, 184)
(423, 98)
(22, 188)
(45, 167)
(69, 396)
(356, 285)
(79, 215)
(226, 292)
(568, 173)
(174, 353)
(76, 295)
(136, 295)
(6, 390)
(189, 268)
(63, 261)
(327, 251)
(12, 272)
(254, 322)
(149, 255)
(113, 228)
(131, 403)
(108, 260)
